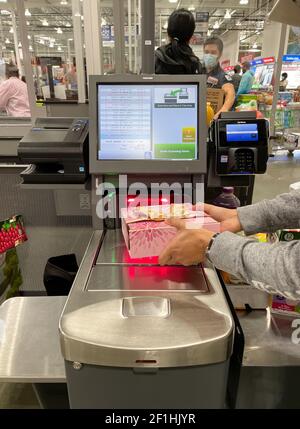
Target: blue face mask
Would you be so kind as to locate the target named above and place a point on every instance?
(210, 60)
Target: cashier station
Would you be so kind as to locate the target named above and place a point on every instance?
(134, 334)
(12, 130)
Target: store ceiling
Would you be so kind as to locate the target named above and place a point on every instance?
(251, 16)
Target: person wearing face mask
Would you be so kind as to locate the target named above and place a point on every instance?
(247, 79)
(177, 57)
(216, 77)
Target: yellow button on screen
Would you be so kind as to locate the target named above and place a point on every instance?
(188, 135)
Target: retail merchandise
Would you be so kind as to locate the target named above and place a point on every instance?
(227, 199)
(146, 233)
(12, 233)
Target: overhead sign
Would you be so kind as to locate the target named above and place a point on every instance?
(267, 60)
(201, 16)
(291, 58)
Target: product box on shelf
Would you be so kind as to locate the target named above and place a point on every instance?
(146, 232)
(215, 97)
(12, 233)
(280, 304)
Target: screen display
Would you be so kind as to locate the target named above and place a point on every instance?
(147, 121)
(241, 133)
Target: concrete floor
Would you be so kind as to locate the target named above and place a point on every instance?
(283, 170)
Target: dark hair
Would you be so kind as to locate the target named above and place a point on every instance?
(181, 27)
(246, 65)
(11, 71)
(284, 75)
(237, 69)
(215, 41)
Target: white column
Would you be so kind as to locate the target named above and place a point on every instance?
(271, 39)
(16, 43)
(78, 45)
(231, 42)
(279, 53)
(93, 46)
(135, 36)
(129, 36)
(35, 111)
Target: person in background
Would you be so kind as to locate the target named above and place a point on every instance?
(177, 57)
(273, 268)
(14, 94)
(70, 79)
(247, 79)
(236, 78)
(283, 82)
(216, 77)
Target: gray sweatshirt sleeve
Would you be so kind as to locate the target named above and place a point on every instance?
(270, 215)
(273, 268)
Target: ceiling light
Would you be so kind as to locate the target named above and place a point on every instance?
(7, 41)
(5, 12)
(208, 33)
(45, 23)
(27, 23)
(165, 25)
(29, 37)
(11, 30)
(30, 48)
(59, 48)
(3, 1)
(51, 45)
(216, 25)
(244, 1)
(82, 18)
(238, 23)
(191, 8)
(163, 40)
(254, 45)
(19, 45)
(42, 42)
(64, 2)
(172, 1)
(27, 12)
(77, 14)
(59, 31)
(68, 24)
(227, 14)
(103, 21)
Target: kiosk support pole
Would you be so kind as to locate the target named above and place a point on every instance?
(118, 11)
(148, 36)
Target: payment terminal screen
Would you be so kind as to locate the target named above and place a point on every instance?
(155, 121)
(241, 133)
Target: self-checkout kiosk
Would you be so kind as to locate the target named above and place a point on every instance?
(135, 334)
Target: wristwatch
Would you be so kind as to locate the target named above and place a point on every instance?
(210, 244)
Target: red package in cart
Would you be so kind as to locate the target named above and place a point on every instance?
(12, 233)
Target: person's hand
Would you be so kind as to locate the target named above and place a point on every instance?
(228, 218)
(188, 247)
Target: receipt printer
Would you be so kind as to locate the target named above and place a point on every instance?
(241, 143)
(57, 149)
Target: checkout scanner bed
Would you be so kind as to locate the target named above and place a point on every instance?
(57, 149)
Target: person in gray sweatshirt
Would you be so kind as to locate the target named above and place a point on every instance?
(274, 268)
